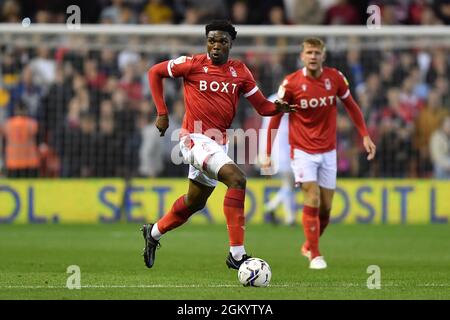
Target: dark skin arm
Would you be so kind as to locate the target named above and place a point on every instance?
(162, 123)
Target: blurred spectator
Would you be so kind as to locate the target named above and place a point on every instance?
(239, 12)
(259, 13)
(21, 148)
(277, 16)
(43, 67)
(442, 86)
(395, 149)
(347, 151)
(10, 70)
(151, 152)
(442, 10)
(95, 79)
(208, 10)
(342, 13)
(131, 84)
(308, 12)
(43, 16)
(107, 146)
(439, 66)
(421, 13)
(355, 67)
(373, 88)
(10, 12)
(108, 63)
(157, 12)
(406, 61)
(67, 140)
(387, 74)
(54, 104)
(428, 121)
(440, 150)
(410, 102)
(88, 144)
(191, 16)
(26, 91)
(118, 12)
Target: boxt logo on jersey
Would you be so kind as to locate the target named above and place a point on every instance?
(317, 102)
(216, 86)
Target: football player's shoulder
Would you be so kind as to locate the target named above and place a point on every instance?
(198, 58)
(239, 66)
(296, 75)
(330, 71)
(293, 77)
(336, 73)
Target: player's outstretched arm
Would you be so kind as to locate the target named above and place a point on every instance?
(267, 108)
(156, 74)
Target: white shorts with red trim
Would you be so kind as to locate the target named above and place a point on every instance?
(320, 167)
(205, 157)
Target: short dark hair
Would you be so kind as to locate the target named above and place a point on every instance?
(222, 25)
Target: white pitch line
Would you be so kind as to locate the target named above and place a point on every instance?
(168, 286)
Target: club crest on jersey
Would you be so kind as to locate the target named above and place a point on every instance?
(233, 72)
(304, 87)
(205, 69)
(327, 84)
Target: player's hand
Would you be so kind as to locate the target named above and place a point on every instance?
(283, 106)
(265, 163)
(162, 123)
(370, 147)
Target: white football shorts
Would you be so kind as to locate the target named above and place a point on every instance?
(320, 167)
(205, 158)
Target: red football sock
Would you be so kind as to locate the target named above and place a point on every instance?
(324, 221)
(311, 228)
(233, 207)
(178, 214)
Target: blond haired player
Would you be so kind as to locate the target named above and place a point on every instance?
(312, 136)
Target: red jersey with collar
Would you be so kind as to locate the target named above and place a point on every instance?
(211, 92)
(313, 127)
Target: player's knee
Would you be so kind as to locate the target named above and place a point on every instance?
(196, 206)
(313, 198)
(238, 181)
(325, 212)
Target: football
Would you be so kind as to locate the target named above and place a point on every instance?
(254, 272)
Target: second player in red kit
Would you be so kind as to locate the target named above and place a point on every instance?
(312, 136)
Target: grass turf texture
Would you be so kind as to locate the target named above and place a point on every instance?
(414, 262)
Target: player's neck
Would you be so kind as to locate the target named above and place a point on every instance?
(314, 73)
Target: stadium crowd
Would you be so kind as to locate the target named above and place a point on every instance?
(314, 12)
(92, 114)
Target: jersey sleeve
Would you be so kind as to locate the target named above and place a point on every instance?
(284, 93)
(343, 86)
(249, 86)
(180, 67)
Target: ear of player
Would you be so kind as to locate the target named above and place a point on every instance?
(283, 106)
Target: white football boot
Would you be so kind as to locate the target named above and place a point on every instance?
(318, 263)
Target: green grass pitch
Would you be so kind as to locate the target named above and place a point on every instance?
(414, 263)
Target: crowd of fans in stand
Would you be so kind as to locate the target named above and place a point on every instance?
(329, 12)
(92, 114)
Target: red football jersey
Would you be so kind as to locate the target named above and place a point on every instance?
(211, 92)
(313, 127)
